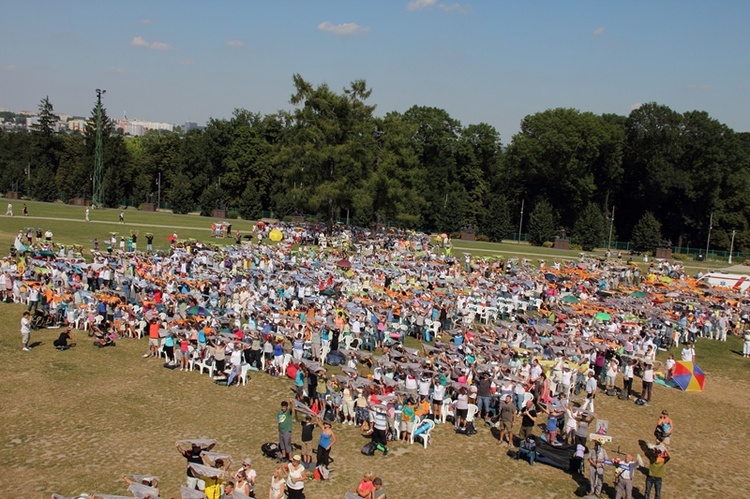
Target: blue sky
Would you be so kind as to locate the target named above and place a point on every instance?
(492, 61)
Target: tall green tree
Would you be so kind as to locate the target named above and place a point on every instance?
(590, 228)
(331, 143)
(180, 196)
(564, 155)
(250, 206)
(543, 223)
(45, 158)
(646, 234)
(497, 222)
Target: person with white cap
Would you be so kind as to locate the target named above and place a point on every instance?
(296, 475)
(245, 477)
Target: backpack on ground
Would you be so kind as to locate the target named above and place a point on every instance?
(369, 449)
(271, 449)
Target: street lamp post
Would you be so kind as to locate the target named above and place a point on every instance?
(158, 199)
(731, 246)
(611, 224)
(708, 240)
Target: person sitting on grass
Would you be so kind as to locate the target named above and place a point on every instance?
(527, 449)
(378, 490)
(61, 343)
(365, 489)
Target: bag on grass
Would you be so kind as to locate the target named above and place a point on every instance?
(270, 449)
(369, 449)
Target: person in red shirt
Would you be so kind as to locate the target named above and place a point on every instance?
(153, 339)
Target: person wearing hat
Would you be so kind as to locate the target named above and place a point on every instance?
(664, 428)
(326, 441)
(245, 477)
(295, 475)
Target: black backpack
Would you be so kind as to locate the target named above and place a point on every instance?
(271, 449)
(369, 449)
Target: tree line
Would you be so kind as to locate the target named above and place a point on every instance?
(665, 175)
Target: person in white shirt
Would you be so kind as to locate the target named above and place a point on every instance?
(25, 330)
(590, 392)
(688, 353)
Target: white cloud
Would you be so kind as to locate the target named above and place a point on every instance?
(420, 4)
(116, 70)
(446, 7)
(598, 31)
(342, 29)
(159, 46)
(138, 41)
(144, 22)
(187, 62)
(235, 43)
(635, 106)
(10, 67)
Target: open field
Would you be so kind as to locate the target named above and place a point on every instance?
(74, 421)
(69, 226)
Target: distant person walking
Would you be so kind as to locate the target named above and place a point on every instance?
(87, 215)
(25, 210)
(25, 330)
(9, 211)
(122, 217)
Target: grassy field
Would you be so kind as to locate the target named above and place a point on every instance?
(74, 421)
(69, 226)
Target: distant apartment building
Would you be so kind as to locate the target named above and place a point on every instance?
(77, 125)
(136, 128)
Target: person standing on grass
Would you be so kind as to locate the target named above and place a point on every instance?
(658, 457)
(284, 420)
(122, 217)
(25, 330)
(597, 457)
(25, 210)
(87, 215)
(327, 439)
(9, 211)
(296, 475)
(193, 455)
(746, 344)
(647, 382)
(507, 420)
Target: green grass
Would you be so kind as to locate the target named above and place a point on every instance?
(69, 226)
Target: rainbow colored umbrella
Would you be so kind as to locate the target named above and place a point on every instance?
(688, 376)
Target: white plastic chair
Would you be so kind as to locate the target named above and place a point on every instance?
(447, 410)
(471, 412)
(426, 435)
(243, 374)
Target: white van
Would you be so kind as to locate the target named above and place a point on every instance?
(737, 282)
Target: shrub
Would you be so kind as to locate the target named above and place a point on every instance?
(483, 238)
(233, 214)
(547, 244)
(576, 247)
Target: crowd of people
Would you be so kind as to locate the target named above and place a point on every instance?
(499, 340)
